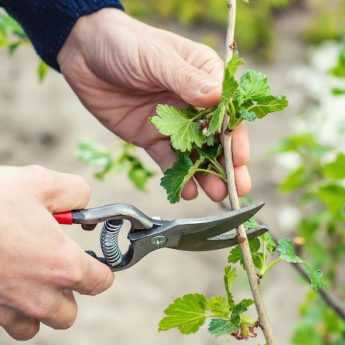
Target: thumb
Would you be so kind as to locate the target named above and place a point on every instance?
(193, 85)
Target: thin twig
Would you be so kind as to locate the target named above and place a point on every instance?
(233, 196)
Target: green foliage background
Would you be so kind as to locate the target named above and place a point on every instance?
(255, 20)
(318, 187)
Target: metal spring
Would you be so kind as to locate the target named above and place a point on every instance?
(110, 242)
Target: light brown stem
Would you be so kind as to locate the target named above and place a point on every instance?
(234, 199)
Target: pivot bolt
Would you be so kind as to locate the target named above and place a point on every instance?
(159, 241)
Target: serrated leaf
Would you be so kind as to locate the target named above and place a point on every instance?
(265, 105)
(287, 252)
(253, 85)
(180, 126)
(268, 242)
(218, 306)
(177, 176)
(219, 327)
(239, 309)
(187, 314)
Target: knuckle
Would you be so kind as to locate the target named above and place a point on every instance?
(68, 270)
(42, 180)
(38, 311)
(100, 284)
(73, 273)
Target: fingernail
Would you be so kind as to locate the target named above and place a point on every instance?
(207, 88)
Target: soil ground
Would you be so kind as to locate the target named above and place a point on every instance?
(42, 124)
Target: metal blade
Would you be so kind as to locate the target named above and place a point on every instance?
(222, 241)
(193, 233)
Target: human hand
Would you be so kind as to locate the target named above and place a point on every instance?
(41, 267)
(121, 69)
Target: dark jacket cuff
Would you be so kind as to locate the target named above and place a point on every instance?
(48, 23)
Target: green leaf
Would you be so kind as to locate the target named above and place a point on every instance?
(339, 69)
(253, 85)
(175, 178)
(268, 242)
(217, 119)
(333, 197)
(235, 255)
(218, 306)
(138, 174)
(102, 158)
(180, 125)
(230, 84)
(187, 313)
(265, 105)
(219, 327)
(287, 252)
(335, 170)
(316, 277)
(95, 155)
(306, 335)
(337, 91)
(305, 142)
(295, 180)
(239, 309)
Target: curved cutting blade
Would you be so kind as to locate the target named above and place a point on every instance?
(200, 234)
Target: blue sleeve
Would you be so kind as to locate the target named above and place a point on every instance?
(49, 22)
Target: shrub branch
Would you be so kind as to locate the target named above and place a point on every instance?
(226, 138)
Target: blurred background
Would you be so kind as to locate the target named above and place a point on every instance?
(300, 46)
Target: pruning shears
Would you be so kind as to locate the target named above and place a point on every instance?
(148, 234)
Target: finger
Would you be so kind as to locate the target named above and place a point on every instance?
(163, 155)
(58, 191)
(190, 190)
(216, 189)
(193, 85)
(62, 313)
(95, 277)
(17, 325)
(241, 147)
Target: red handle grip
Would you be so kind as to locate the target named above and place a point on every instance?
(65, 218)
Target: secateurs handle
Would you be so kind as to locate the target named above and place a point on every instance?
(112, 217)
